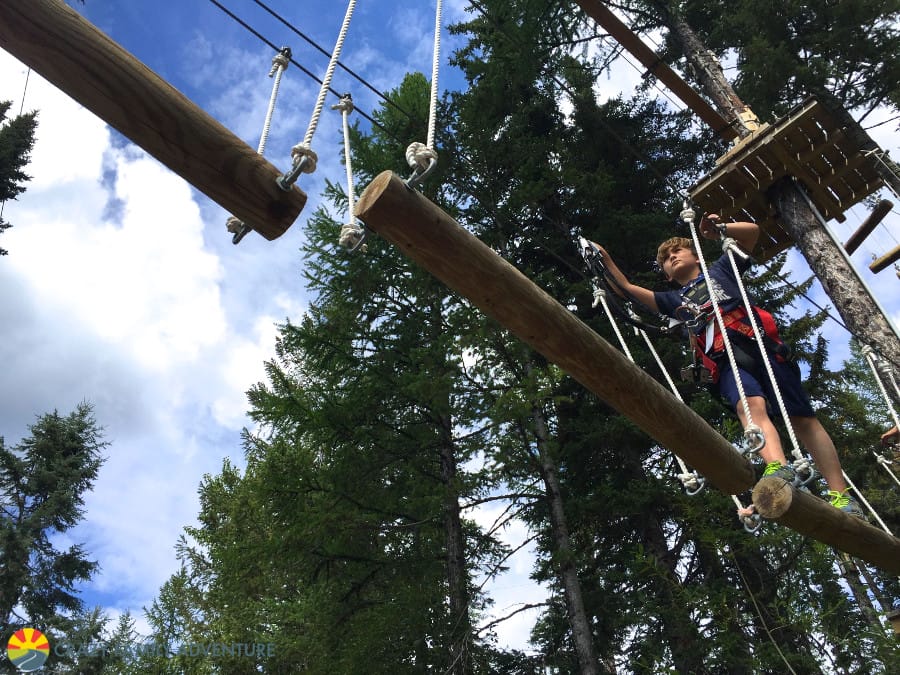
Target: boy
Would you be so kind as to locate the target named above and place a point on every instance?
(680, 264)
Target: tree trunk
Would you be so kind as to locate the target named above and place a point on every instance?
(582, 635)
(851, 298)
(708, 72)
(457, 579)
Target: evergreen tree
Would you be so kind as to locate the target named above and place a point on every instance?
(16, 141)
(44, 479)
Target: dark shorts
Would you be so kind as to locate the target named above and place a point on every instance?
(795, 398)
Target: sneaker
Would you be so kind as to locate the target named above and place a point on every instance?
(846, 503)
(782, 471)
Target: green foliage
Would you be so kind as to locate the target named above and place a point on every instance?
(43, 480)
(16, 141)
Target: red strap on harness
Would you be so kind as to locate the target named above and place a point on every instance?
(737, 321)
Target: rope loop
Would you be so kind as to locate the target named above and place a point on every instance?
(345, 105)
(280, 61)
(422, 160)
(752, 523)
(353, 238)
(754, 439)
(693, 483)
(804, 471)
(305, 158)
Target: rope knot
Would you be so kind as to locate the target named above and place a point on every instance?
(352, 235)
(345, 105)
(304, 157)
(420, 156)
(280, 61)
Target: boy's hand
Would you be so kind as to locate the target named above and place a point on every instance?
(890, 437)
(710, 226)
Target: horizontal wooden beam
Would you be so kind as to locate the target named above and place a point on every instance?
(658, 68)
(877, 214)
(776, 500)
(432, 239)
(80, 60)
(888, 258)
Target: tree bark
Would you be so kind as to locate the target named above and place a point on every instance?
(457, 579)
(582, 635)
(851, 298)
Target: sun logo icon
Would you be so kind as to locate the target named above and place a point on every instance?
(28, 649)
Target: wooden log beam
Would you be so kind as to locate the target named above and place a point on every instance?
(877, 214)
(656, 66)
(776, 500)
(888, 258)
(80, 60)
(432, 239)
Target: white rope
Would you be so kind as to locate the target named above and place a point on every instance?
(691, 480)
(885, 462)
(304, 157)
(874, 364)
(422, 157)
(352, 234)
(729, 246)
(867, 504)
(435, 63)
(280, 62)
(751, 430)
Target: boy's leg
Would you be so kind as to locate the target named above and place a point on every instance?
(813, 436)
(772, 451)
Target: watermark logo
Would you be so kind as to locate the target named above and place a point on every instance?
(28, 649)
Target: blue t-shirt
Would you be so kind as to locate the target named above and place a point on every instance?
(696, 293)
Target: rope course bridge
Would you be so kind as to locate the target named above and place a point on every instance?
(808, 144)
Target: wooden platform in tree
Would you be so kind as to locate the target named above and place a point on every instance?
(808, 144)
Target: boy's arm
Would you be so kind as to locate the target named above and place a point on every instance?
(745, 234)
(643, 295)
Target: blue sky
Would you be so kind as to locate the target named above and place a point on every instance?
(122, 287)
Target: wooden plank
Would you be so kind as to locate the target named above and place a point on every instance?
(881, 209)
(888, 258)
(432, 239)
(74, 56)
(776, 500)
(651, 61)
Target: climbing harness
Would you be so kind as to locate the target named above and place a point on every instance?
(353, 236)
(303, 156)
(280, 63)
(422, 157)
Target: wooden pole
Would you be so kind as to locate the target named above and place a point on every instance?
(80, 60)
(651, 61)
(776, 500)
(433, 240)
(888, 258)
(881, 209)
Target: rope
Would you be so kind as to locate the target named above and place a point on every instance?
(865, 501)
(352, 235)
(879, 371)
(280, 63)
(691, 480)
(752, 433)
(422, 157)
(885, 462)
(801, 463)
(302, 154)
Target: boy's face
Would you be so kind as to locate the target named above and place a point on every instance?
(681, 265)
